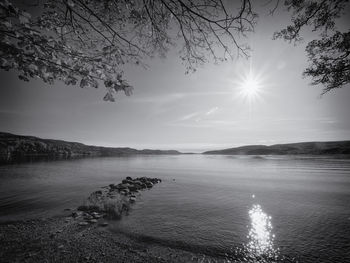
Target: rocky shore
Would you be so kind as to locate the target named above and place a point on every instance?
(83, 234)
(56, 240)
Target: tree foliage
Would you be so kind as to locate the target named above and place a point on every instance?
(88, 42)
(329, 55)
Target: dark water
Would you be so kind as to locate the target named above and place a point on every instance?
(292, 207)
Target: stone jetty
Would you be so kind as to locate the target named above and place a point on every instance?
(112, 201)
(129, 185)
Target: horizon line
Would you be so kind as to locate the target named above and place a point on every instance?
(173, 149)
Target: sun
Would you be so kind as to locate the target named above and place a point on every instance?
(250, 87)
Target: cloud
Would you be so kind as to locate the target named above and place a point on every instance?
(189, 116)
(212, 110)
(197, 116)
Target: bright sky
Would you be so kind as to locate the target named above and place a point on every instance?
(196, 112)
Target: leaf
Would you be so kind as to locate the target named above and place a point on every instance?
(109, 97)
(4, 64)
(83, 83)
(70, 80)
(21, 77)
(94, 83)
(32, 67)
(128, 90)
(88, 82)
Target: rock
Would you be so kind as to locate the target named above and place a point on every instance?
(125, 191)
(154, 180)
(137, 182)
(123, 186)
(88, 208)
(128, 178)
(114, 187)
(132, 199)
(83, 223)
(67, 209)
(125, 181)
(77, 214)
(96, 215)
(92, 221)
(133, 188)
(142, 179)
(88, 217)
(104, 224)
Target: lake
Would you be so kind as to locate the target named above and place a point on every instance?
(294, 208)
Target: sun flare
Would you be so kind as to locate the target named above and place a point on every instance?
(250, 87)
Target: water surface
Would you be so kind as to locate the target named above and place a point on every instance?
(286, 206)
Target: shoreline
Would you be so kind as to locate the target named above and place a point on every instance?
(85, 234)
(57, 239)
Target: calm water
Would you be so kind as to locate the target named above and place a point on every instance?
(297, 207)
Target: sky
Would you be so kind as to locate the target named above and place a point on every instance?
(191, 113)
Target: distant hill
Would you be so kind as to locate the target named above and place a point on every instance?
(17, 146)
(313, 148)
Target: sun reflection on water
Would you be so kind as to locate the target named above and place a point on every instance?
(260, 236)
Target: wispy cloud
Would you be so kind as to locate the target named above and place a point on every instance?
(196, 116)
(204, 119)
(189, 116)
(211, 111)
